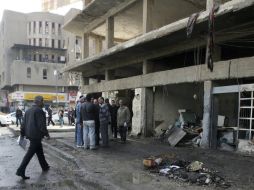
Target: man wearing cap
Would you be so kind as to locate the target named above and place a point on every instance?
(34, 128)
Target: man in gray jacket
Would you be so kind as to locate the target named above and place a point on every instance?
(123, 120)
(34, 128)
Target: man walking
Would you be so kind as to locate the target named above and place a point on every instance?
(50, 116)
(123, 120)
(88, 114)
(19, 116)
(34, 128)
(104, 116)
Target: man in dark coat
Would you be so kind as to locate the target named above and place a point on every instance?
(19, 116)
(34, 128)
(50, 116)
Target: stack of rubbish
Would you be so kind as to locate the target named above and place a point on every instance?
(186, 130)
(185, 171)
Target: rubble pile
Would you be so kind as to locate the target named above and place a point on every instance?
(191, 172)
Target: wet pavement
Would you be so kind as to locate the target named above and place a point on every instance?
(119, 166)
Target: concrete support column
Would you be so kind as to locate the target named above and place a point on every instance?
(147, 15)
(209, 4)
(110, 32)
(109, 75)
(207, 116)
(86, 2)
(147, 104)
(147, 67)
(84, 82)
(85, 46)
(21, 54)
(147, 107)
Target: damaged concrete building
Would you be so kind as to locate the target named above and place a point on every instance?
(139, 50)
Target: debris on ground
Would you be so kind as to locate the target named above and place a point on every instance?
(185, 171)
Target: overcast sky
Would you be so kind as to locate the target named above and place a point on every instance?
(24, 6)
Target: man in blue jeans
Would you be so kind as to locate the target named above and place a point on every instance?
(79, 125)
(88, 114)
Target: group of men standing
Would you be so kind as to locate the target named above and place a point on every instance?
(93, 118)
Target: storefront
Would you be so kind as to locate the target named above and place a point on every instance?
(25, 99)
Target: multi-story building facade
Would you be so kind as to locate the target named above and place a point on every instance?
(48, 5)
(32, 56)
(139, 50)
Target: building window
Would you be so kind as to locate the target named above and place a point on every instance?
(44, 73)
(46, 58)
(3, 76)
(28, 72)
(63, 44)
(34, 57)
(46, 42)
(53, 58)
(29, 27)
(29, 42)
(53, 43)
(46, 27)
(34, 28)
(40, 27)
(34, 42)
(40, 42)
(53, 28)
(59, 29)
(40, 58)
(59, 43)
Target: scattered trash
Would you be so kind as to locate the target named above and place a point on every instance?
(195, 166)
(176, 134)
(149, 163)
(192, 172)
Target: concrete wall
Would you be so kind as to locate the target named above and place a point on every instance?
(19, 74)
(169, 99)
(9, 36)
(228, 106)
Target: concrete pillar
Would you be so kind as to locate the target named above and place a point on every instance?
(84, 82)
(109, 75)
(110, 32)
(147, 107)
(85, 46)
(21, 54)
(147, 67)
(147, 15)
(98, 44)
(206, 138)
(143, 107)
(209, 4)
(86, 2)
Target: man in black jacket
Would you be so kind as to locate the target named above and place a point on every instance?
(34, 128)
(88, 114)
(19, 116)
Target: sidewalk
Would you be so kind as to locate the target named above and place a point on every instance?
(51, 128)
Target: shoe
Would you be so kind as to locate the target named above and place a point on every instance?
(79, 146)
(24, 177)
(46, 169)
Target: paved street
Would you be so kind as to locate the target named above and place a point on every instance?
(117, 167)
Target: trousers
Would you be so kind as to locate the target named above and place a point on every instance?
(34, 148)
(104, 133)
